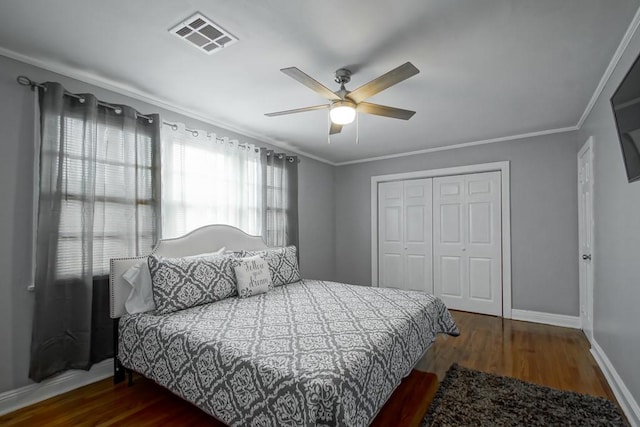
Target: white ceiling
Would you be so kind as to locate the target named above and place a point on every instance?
(489, 68)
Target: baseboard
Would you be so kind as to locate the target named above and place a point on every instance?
(622, 393)
(546, 318)
(13, 400)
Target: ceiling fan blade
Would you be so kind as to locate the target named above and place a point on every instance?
(298, 110)
(383, 110)
(383, 82)
(311, 83)
(335, 129)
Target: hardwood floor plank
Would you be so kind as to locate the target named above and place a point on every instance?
(409, 403)
(547, 355)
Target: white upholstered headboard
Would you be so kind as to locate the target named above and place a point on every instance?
(206, 239)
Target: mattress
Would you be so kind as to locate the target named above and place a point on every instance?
(305, 354)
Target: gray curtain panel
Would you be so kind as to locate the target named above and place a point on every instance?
(98, 199)
(280, 198)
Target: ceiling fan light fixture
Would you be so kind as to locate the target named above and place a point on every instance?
(342, 112)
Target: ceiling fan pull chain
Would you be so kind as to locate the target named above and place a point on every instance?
(357, 128)
(329, 132)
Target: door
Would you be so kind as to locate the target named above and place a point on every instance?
(405, 235)
(585, 236)
(467, 242)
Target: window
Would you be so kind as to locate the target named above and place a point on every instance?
(97, 199)
(277, 205)
(206, 180)
(114, 192)
(209, 181)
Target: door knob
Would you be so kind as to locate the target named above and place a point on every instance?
(586, 257)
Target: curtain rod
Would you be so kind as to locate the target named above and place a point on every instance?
(195, 133)
(26, 81)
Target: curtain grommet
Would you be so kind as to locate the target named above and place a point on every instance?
(25, 81)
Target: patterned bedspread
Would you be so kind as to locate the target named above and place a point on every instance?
(305, 354)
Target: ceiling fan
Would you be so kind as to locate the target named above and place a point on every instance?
(344, 103)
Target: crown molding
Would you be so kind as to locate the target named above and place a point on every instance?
(622, 47)
(462, 145)
(121, 89)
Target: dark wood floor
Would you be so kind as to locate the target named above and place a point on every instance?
(547, 355)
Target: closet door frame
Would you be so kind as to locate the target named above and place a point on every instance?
(503, 168)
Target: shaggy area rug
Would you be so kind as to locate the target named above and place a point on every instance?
(472, 398)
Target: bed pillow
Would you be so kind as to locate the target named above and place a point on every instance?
(283, 264)
(180, 283)
(140, 299)
(253, 276)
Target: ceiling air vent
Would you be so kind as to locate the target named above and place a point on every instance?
(203, 34)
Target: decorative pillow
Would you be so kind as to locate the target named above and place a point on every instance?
(283, 264)
(253, 276)
(140, 299)
(180, 283)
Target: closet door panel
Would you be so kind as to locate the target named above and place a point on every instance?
(448, 237)
(451, 223)
(416, 273)
(480, 224)
(391, 269)
(418, 235)
(450, 276)
(392, 224)
(480, 272)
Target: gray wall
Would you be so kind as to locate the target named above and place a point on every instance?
(617, 237)
(317, 221)
(316, 201)
(544, 230)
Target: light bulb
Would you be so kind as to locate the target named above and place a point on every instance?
(342, 112)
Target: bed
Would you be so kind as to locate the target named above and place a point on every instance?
(304, 354)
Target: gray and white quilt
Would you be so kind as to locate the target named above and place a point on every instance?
(310, 353)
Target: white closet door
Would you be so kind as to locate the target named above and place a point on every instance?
(405, 235)
(391, 235)
(467, 242)
(418, 215)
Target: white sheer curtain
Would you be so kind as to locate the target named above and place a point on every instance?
(206, 180)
